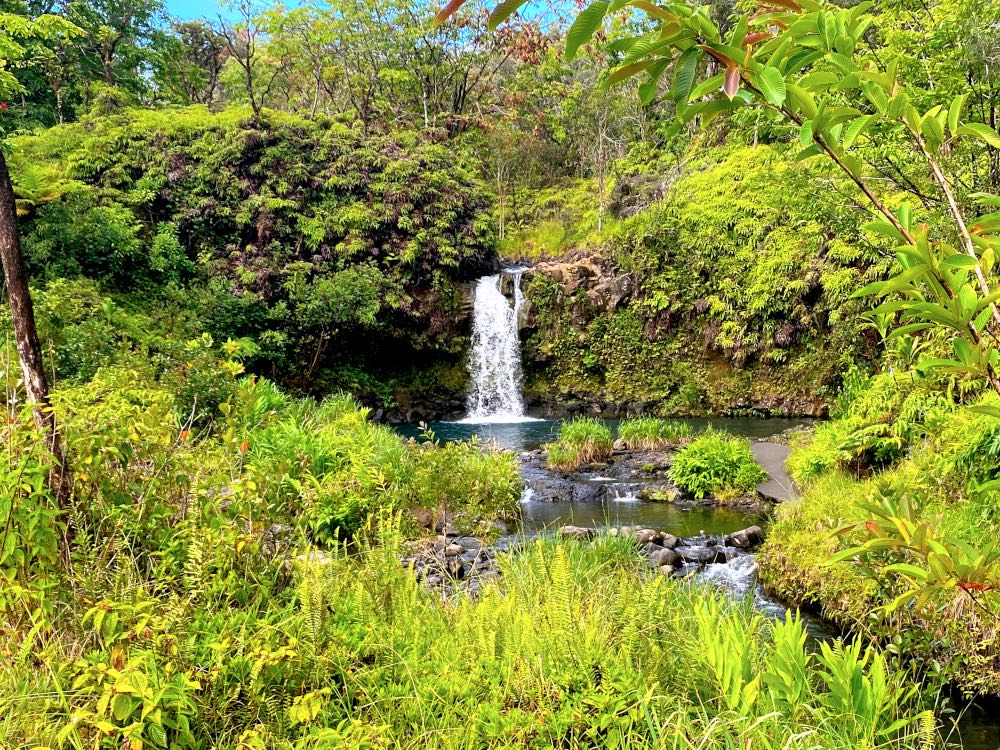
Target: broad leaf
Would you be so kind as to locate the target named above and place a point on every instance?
(583, 28)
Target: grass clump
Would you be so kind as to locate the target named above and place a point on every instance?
(650, 433)
(581, 441)
(716, 463)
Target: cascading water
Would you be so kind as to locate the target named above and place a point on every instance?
(495, 360)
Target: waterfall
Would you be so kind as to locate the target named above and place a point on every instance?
(495, 359)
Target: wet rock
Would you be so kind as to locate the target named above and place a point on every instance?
(468, 542)
(745, 538)
(651, 548)
(576, 532)
(666, 557)
(702, 555)
(660, 492)
(645, 536)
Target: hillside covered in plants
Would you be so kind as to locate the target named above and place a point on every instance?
(474, 375)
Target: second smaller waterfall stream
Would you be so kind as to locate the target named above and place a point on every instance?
(495, 359)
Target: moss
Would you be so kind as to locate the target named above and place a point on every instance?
(739, 299)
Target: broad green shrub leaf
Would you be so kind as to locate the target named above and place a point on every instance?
(584, 26)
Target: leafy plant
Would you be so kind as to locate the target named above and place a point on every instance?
(716, 464)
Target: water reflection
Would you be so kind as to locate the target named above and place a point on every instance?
(519, 436)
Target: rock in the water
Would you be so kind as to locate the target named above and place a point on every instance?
(576, 532)
(645, 536)
(669, 541)
(745, 538)
(703, 555)
(666, 557)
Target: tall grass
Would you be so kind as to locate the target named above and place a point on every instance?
(581, 441)
(650, 433)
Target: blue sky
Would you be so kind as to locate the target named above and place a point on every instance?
(188, 9)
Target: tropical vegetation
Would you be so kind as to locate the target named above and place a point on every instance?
(236, 248)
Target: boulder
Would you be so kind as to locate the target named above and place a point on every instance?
(576, 532)
(452, 550)
(703, 555)
(745, 538)
(645, 536)
(666, 557)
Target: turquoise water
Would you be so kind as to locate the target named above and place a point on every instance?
(519, 436)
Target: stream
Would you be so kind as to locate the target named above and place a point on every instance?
(698, 539)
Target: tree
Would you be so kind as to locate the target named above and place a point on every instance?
(15, 34)
(115, 38)
(244, 42)
(810, 64)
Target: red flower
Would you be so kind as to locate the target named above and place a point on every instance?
(3, 105)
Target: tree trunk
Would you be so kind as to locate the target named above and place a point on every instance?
(29, 348)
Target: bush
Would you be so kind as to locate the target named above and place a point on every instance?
(582, 441)
(716, 464)
(649, 433)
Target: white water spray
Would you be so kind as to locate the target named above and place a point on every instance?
(495, 360)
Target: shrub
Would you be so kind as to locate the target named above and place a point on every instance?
(581, 441)
(649, 433)
(714, 464)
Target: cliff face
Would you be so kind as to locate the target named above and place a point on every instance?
(592, 346)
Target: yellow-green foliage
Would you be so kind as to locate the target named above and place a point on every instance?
(575, 646)
(906, 441)
(716, 463)
(554, 220)
(581, 441)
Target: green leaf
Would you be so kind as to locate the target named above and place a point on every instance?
(986, 223)
(986, 199)
(684, 73)
(504, 11)
(772, 86)
(908, 570)
(958, 260)
(584, 26)
(806, 133)
(708, 86)
(856, 128)
(886, 229)
(955, 112)
(988, 409)
(981, 131)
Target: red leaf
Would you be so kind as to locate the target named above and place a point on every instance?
(720, 56)
(786, 4)
(873, 528)
(447, 11)
(751, 39)
(731, 83)
(967, 586)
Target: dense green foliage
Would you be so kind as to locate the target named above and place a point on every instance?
(302, 237)
(716, 464)
(901, 441)
(732, 293)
